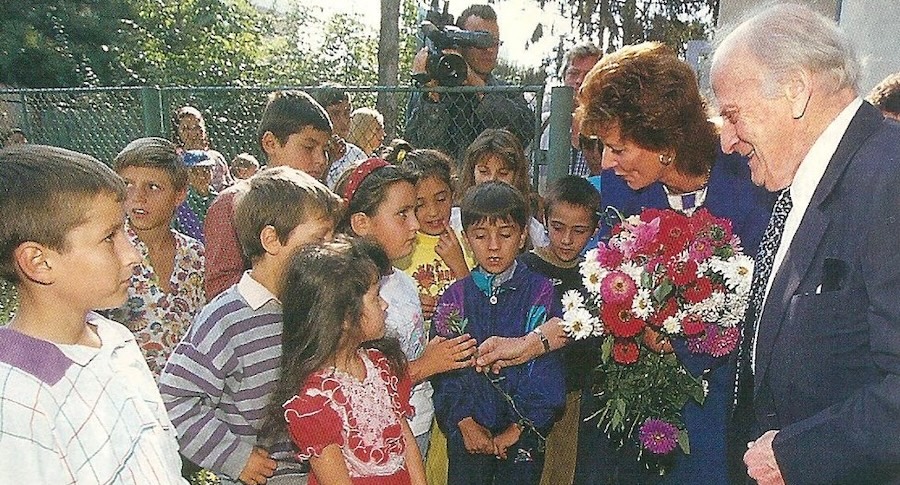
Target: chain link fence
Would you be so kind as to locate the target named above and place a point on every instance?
(101, 121)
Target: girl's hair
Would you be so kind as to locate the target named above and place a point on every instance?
(370, 194)
(426, 163)
(396, 151)
(364, 122)
(503, 145)
(324, 285)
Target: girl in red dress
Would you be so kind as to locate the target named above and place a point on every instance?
(344, 390)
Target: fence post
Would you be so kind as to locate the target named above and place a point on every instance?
(562, 101)
(151, 102)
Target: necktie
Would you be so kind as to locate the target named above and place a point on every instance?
(762, 269)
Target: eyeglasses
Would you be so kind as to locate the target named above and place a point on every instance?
(496, 43)
(589, 143)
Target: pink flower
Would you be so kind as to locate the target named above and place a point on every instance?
(700, 249)
(721, 341)
(617, 287)
(608, 257)
(658, 436)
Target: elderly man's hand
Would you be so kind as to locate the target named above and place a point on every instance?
(760, 460)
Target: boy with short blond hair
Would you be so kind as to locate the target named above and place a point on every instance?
(166, 290)
(77, 401)
(221, 376)
(293, 132)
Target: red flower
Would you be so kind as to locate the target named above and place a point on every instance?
(625, 351)
(699, 291)
(668, 309)
(681, 273)
(675, 230)
(620, 322)
(692, 326)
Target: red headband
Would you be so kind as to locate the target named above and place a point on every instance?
(360, 173)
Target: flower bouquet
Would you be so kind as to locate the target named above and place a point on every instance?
(661, 276)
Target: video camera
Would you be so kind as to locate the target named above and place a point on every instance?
(449, 69)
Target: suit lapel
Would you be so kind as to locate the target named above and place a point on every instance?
(808, 237)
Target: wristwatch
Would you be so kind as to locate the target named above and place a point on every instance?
(544, 340)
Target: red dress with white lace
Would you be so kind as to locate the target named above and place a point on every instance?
(361, 417)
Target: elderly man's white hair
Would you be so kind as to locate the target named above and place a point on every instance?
(788, 36)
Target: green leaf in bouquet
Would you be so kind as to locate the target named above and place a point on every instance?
(684, 442)
(606, 350)
(662, 291)
(646, 280)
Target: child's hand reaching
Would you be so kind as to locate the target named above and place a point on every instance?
(258, 469)
(450, 250)
(507, 438)
(476, 438)
(442, 355)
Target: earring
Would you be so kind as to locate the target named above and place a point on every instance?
(664, 160)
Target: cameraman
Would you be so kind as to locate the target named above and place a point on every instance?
(451, 121)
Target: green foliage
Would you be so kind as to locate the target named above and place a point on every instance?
(623, 22)
(47, 43)
(191, 42)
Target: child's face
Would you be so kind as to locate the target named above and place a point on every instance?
(394, 223)
(493, 167)
(245, 172)
(339, 113)
(569, 227)
(433, 204)
(312, 230)
(374, 308)
(495, 244)
(200, 178)
(99, 257)
(151, 197)
(192, 132)
(304, 150)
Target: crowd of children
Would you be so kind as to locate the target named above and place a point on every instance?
(277, 330)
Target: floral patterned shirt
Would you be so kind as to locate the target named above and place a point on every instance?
(361, 417)
(159, 319)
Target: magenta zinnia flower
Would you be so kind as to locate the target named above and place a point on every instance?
(617, 287)
(658, 436)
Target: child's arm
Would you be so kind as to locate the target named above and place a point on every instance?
(496, 352)
(259, 467)
(330, 468)
(442, 355)
(192, 385)
(414, 464)
(507, 438)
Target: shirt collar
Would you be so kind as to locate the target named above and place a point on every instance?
(813, 166)
(254, 292)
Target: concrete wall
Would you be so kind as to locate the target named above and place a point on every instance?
(872, 25)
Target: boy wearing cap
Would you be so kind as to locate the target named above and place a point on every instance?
(200, 194)
(166, 290)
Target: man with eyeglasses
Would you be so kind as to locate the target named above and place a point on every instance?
(450, 121)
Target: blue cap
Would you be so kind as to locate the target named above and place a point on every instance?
(197, 158)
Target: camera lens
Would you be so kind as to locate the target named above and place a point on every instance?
(449, 69)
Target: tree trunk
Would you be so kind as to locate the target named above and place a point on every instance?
(388, 64)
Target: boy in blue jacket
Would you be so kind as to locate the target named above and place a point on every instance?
(496, 425)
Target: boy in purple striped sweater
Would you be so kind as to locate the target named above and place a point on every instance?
(219, 379)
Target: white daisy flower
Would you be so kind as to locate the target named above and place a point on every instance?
(571, 300)
(592, 275)
(634, 271)
(672, 325)
(642, 305)
(578, 323)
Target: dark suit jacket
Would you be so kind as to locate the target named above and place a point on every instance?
(828, 350)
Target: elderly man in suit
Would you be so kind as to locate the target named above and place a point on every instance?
(819, 382)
